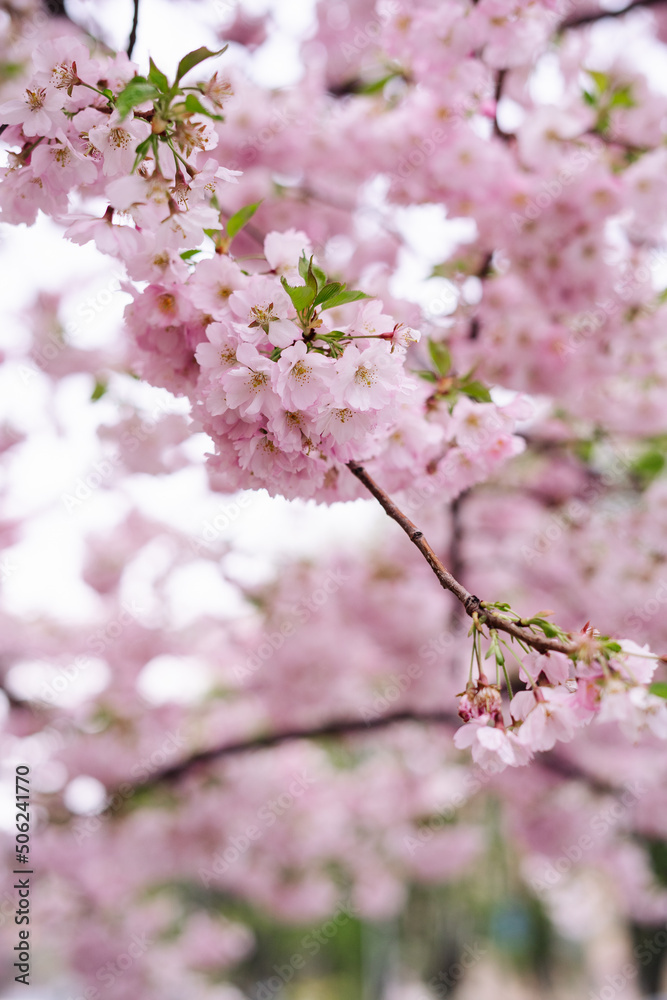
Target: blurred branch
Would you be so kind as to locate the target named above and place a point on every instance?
(497, 131)
(456, 546)
(484, 271)
(56, 8)
(552, 762)
(340, 727)
(133, 32)
(580, 21)
(472, 604)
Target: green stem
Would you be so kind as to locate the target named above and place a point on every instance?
(177, 156)
(520, 662)
(508, 682)
(96, 89)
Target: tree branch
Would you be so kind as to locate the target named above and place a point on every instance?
(56, 8)
(584, 19)
(338, 727)
(497, 131)
(133, 32)
(473, 605)
(562, 766)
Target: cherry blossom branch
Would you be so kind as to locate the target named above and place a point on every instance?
(133, 32)
(584, 19)
(497, 131)
(56, 8)
(483, 272)
(562, 766)
(338, 727)
(472, 604)
(456, 546)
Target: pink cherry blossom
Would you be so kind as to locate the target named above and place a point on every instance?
(263, 305)
(117, 141)
(365, 378)
(248, 388)
(283, 249)
(492, 748)
(303, 377)
(219, 354)
(213, 283)
(551, 719)
(39, 111)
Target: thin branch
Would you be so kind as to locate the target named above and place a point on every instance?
(562, 766)
(56, 8)
(339, 727)
(484, 271)
(456, 545)
(580, 21)
(497, 131)
(472, 604)
(133, 33)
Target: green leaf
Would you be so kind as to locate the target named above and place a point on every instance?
(649, 465)
(476, 390)
(307, 272)
(304, 265)
(622, 98)
(193, 59)
(551, 631)
(377, 86)
(342, 298)
(440, 357)
(426, 374)
(601, 80)
(187, 254)
(142, 150)
(138, 90)
(320, 276)
(301, 295)
(157, 77)
(328, 292)
(659, 688)
(241, 218)
(98, 391)
(195, 107)
(589, 98)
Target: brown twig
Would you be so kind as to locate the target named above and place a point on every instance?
(497, 131)
(561, 766)
(580, 21)
(133, 31)
(483, 272)
(472, 604)
(456, 544)
(338, 727)
(56, 8)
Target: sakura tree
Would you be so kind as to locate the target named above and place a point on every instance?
(428, 274)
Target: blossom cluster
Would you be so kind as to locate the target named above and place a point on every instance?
(89, 126)
(600, 680)
(288, 394)
(290, 374)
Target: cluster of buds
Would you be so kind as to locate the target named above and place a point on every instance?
(481, 698)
